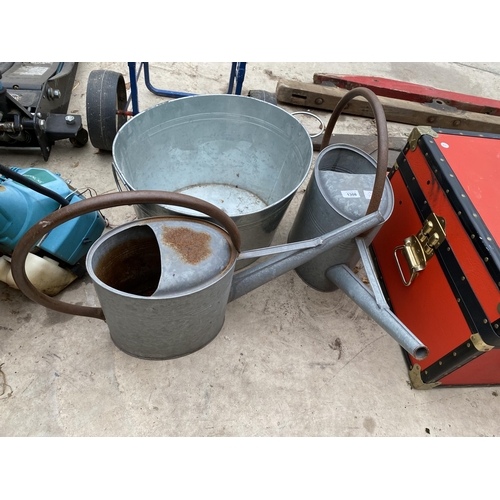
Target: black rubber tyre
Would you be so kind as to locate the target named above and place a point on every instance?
(81, 138)
(106, 94)
(263, 95)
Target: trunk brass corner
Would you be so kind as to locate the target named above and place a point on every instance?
(416, 379)
(479, 343)
(417, 133)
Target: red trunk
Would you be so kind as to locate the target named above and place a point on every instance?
(453, 304)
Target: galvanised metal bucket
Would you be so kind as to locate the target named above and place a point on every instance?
(243, 155)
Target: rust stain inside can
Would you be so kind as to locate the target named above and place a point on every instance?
(192, 246)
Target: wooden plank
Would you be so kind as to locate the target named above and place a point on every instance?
(310, 95)
(407, 91)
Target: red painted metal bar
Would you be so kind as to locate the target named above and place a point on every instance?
(397, 89)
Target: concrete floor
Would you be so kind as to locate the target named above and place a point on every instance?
(272, 370)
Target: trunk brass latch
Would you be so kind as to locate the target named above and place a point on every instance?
(417, 250)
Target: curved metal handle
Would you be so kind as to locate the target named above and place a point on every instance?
(100, 202)
(307, 113)
(383, 139)
(414, 273)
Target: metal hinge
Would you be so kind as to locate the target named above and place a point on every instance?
(417, 250)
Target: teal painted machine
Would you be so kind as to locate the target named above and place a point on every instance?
(28, 195)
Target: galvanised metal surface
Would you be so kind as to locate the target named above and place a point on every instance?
(69, 212)
(163, 284)
(349, 283)
(372, 301)
(245, 156)
(261, 272)
(338, 193)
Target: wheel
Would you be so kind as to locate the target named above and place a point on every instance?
(106, 94)
(82, 137)
(263, 95)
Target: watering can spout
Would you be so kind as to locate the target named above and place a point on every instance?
(346, 280)
(373, 302)
(287, 257)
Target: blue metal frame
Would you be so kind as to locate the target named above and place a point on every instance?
(133, 87)
(237, 76)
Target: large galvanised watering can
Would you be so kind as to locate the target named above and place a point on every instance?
(164, 282)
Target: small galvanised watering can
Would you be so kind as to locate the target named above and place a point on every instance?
(164, 282)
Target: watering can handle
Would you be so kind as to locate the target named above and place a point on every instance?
(100, 202)
(383, 139)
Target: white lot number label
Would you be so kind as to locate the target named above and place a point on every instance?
(354, 193)
(351, 193)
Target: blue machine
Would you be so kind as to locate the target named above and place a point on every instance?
(28, 195)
